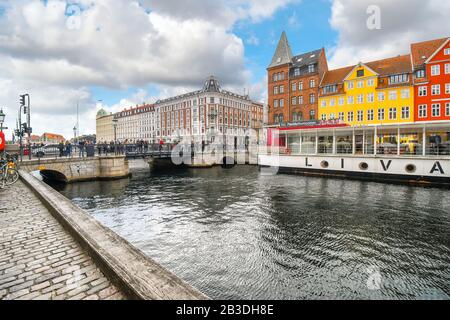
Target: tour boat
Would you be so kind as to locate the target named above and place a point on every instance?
(416, 153)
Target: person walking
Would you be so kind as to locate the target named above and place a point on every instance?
(61, 149)
(68, 149)
(81, 145)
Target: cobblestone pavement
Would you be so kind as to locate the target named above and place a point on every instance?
(39, 259)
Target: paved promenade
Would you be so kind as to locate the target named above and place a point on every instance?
(39, 259)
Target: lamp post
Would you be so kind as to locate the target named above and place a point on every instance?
(115, 121)
(2, 120)
(74, 134)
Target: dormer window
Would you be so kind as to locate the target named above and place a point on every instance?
(399, 78)
(360, 73)
(296, 72)
(420, 74)
(447, 52)
(311, 68)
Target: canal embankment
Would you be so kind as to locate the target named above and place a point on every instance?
(39, 246)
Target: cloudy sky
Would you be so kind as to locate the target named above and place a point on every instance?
(125, 52)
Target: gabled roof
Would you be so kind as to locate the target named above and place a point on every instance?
(306, 59)
(391, 66)
(336, 76)
(283, 54)
(422, 51)
(385, 67)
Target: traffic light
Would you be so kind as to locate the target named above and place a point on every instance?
(22, 100)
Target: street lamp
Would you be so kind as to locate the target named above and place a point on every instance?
(115, 121)
(74, 134)
(2, 119)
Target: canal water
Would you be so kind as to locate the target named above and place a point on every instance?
(237, 234)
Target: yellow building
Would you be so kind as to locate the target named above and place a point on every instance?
(379, 92)
(104, 126)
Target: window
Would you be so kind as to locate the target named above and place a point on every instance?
(392, 113)
(360, 73)
(399, 78)
(300, 100)
(341, 101)
(370, 82)
(311, 68)
(312, 98)
(423, 111)
(281, 103)
(332, 102)
(370, 97)
(360, 116)
(405, 113)
(312, 115)
(360, 99)
(300, 86)
(296, 72)
(435, 70)
(447, 51)
(447, 68)
(350, 116)
(405, 94)
(392, 95)
(381, 96)
(447, 88)
(341, 116)
(274, 77)
(380, 114)
(370, 115)
(332, 116)
(312, 83)
(275, 103)
(211, 100)
(351, 85)
(294, 87)
(324, 103)
(447, 109)
(350, 100)
(329, 89)
(281, 89)
(360, 84)
(275, 90)
(423, 91)
(420, 74)
(324, 117)
(294, 101)
(435, 89)
(282, 76)
(436, 110)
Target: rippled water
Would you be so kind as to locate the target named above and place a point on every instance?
(236, 234)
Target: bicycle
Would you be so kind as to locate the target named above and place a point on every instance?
(8, 171)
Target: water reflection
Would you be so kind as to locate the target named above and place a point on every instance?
(236, 234)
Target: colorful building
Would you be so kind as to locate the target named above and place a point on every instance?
(293, 84)
(378, 92)
(431, 63)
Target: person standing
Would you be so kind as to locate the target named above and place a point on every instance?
(61, 149)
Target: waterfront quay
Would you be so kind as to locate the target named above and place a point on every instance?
(52, 250)
(39, 259)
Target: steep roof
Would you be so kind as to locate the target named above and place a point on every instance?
(421, 51)
(283, 54)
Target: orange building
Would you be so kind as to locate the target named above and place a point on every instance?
(431, 64)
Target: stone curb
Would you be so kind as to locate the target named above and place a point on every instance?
(138, 276)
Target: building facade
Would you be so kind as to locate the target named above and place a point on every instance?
(293, 84)
(431, 63)
(104, 126)
(137, 123)
(378, 92)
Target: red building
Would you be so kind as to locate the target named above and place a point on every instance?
(294, 84)
(431, 63)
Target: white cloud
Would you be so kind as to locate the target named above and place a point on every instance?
(117, 44)
(402, 22)
(253, 40)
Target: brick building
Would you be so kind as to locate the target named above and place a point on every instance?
(294, 84)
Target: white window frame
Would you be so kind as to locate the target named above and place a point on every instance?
(341, 101)
(360, 116)
(435, 70)
(370, 82)
(436, 107)
(447, 51)
(423, 111)
(370, 97)
(435, 89)
(447, 88)
(423, 91)
(360, 99)
(381, 114)
(405, 94)
(341, 116)
(360, 84)
(447, 68)
(350, 116)
(406, 111)
(392, 113)
(392, 95)
(332, 102)
(381, 96)
(324, 117)
(350, 84)
(323, 104)
(447, 109)
(370, 115)
(350, 100)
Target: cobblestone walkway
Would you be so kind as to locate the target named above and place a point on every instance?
(39, 259)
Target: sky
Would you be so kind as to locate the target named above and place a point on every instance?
(119, 53)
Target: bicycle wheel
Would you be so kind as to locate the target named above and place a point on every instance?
(12, 176)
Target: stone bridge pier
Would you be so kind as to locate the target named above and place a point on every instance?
(70, 170)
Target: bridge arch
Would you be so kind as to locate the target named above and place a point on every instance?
(54, 175)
